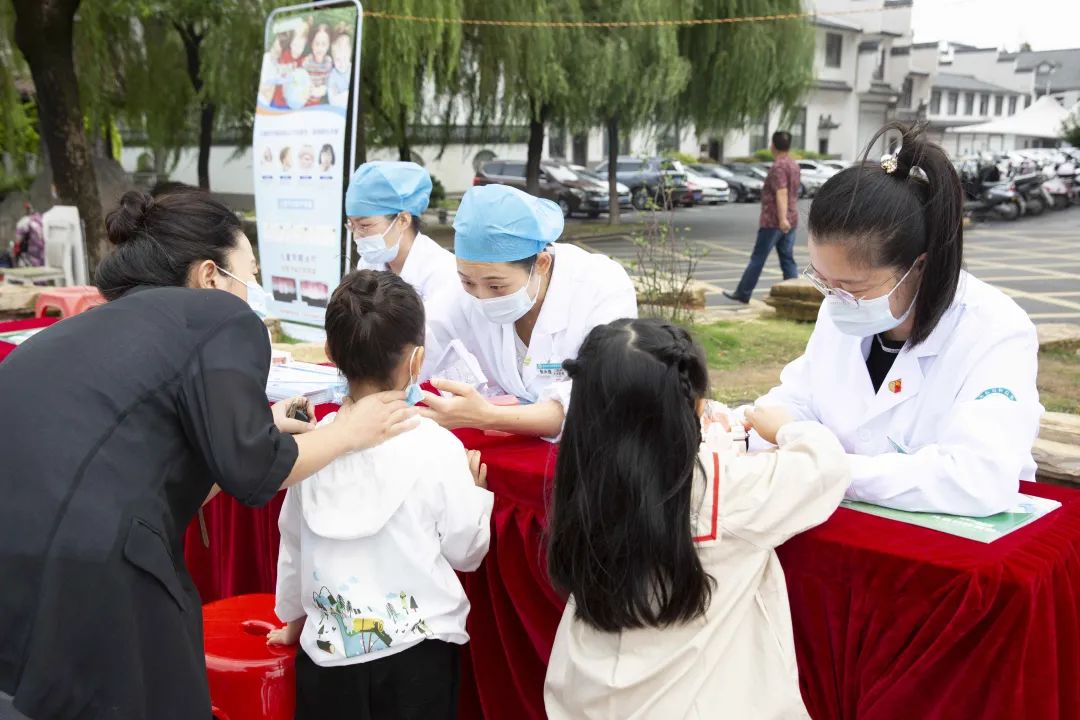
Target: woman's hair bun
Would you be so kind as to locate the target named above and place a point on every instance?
(128, 219)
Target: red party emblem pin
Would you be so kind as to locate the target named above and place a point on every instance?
(895, 386)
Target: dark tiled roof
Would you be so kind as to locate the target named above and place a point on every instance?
(1066, 75)
(827, 22)
(953, 81)
(832, 85)
(900, 51)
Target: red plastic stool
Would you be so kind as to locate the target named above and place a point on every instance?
(249, 680)
(68, 300)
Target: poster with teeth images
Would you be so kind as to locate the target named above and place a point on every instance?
(304, 131)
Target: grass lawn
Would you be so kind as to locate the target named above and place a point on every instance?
(746, 357)
(745, 360)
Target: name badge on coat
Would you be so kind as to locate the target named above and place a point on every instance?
(551, 370)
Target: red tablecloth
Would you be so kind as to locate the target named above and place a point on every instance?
(891, 620)
(17, 325)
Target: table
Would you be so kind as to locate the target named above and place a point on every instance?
(17, 325)
(891, 620)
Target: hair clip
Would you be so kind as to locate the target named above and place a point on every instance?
(919, 174)
(889, 162)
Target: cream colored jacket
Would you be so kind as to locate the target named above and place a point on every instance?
(738, 660)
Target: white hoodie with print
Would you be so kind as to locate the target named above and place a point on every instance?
(369, 546)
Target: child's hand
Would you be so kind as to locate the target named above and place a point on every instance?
(478, 470)
(287, 635)
(767, 421)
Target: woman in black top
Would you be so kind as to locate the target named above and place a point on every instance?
(118, 424)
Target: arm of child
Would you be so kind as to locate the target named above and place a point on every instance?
(288, 605)
(766, 498)
(464, 519)
(289, 634)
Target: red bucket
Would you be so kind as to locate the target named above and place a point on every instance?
(249, 680)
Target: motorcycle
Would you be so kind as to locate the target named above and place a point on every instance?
(1063, 186)
(1000, 200)
(1030, 188)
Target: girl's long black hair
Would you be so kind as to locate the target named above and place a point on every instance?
(620, 536)
(887, 219)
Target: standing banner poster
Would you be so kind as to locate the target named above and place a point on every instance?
(304, 134)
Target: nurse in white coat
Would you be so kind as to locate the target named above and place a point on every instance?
(383, 203)
(528, 304)
(926, 374)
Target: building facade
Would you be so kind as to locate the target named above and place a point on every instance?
(867, 69)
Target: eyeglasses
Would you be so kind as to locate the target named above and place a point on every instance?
(839, 293)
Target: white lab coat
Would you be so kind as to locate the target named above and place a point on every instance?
(429, 268)
(586, 290)
(738, 660)
(369, 546)
(952, 426)
(432, 271)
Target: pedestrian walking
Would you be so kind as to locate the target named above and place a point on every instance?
(779, 218)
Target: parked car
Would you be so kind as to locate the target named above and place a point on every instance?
(558, 182)
(654, 179)
(836, 165)
(620, 188)
(744, 188)
(713, 189)
(813, 175)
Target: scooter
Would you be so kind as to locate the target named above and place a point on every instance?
(999, 201)
(1063, 186)
(1030, 188)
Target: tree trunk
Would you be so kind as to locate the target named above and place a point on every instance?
(192, 39)
(404, 151)
(536, 148)
(43, 32)
(206, 136)
(613, 166)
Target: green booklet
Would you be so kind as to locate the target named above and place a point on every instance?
(18, 337)
(1027, 510)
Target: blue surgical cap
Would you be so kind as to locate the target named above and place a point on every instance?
(498, 223)
(386, 187)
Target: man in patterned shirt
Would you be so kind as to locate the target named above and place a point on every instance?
(779, 217)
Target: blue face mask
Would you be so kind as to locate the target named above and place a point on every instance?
(413, 393)
(374, 250)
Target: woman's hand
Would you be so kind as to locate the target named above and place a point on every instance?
(282, 410)
(375, 419)
(467, 408)
(478, 469)
(767, 421)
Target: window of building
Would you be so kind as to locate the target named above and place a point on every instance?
(1027, 101)
(969, 103)
(954, 102)
(798, 130)
(984, 104)
(759, 134)
(906, 92)
(823, 146)
(557, 142)
(1012, 104)
(998, 100)
(580, 149)
(935, 102)
(834, 47)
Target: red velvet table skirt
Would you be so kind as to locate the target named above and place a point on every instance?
(891, 620)
(17, 325)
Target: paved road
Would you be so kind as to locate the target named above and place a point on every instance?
(1034, 260)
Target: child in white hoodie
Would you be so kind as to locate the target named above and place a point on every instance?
(370, 544)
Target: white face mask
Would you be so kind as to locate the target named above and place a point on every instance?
(868, 317)
(373, 248)
(256, 297)
(509, 308)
